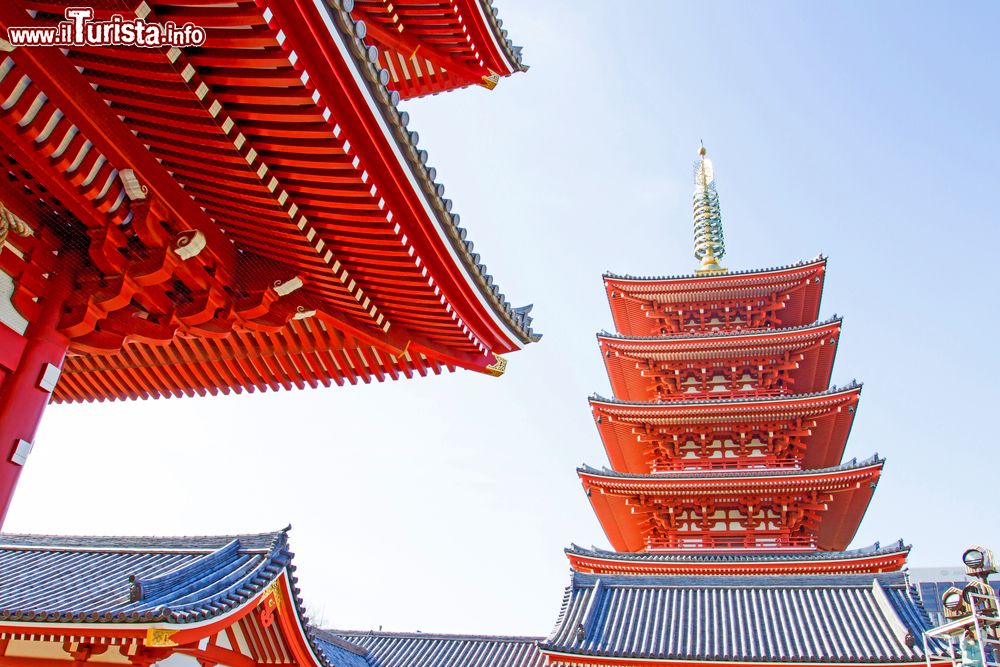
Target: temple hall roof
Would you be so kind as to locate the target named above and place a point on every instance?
(788, 619)
(134, 579)
(403, 649)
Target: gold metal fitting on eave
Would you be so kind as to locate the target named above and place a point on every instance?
(498, 367)
(160, 637)
(490, 82)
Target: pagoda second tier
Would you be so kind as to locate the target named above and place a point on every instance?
(782, 297)
(872, 559)
(722, 364)
(788, 432)
(765, 510)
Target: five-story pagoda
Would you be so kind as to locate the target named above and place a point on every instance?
(724, 435)
(727, 503)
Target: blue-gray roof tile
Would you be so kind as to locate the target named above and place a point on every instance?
(399, 649)
(799, 619)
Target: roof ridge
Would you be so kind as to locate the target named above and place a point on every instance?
(871, 550)
(833, 389)
(149, 543)
(852, 464)
(818, 259)
(733, 333)
(429, 635)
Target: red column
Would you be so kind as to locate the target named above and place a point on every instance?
(25, 392)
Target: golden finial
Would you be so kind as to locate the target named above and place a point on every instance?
(709, 244)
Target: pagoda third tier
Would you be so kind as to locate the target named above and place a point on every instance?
(770, 298)
(765, 510)
(787, 433)
(765, 362)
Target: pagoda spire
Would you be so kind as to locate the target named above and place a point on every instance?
(709, 244)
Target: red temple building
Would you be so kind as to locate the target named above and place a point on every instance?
(724, 435)
(728, 506)
(254, 213)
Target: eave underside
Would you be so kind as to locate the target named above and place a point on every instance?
(344, 204)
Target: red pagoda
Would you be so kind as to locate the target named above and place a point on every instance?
(252, 213)
(727, 503)
(724, 436)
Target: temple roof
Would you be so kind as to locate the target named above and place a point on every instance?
(799, 285)
(871, 559)
(627, 427)
(286, 104)
(717, 277)
(694, 557)
(95, 579)
(698, 337)
(637, 364)
(711, 401)
(740, 619)
(615, 496)
(719, 476)
(407, 649)
(459, 44)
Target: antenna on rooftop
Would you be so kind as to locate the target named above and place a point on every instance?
(709, 244)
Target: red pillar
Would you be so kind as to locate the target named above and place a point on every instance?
(25, 392)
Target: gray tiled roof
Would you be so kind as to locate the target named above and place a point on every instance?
(819, 259)
(400, 649)
(815, 618)
(135, 579)
(339, 652)
(646, 557)
(59, 579)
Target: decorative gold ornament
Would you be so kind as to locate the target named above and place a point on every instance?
(709, 244)
(490, 82)
(498, 367)
(160, 637)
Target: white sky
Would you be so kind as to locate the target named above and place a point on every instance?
(443, 504)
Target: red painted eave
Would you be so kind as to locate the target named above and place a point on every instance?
(626, 295)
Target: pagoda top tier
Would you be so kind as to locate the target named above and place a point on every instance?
(786, 296)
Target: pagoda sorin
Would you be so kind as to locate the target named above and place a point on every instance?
(724, 435)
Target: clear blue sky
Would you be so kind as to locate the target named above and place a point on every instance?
(866, 131)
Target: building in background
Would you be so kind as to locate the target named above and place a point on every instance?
(252, 214)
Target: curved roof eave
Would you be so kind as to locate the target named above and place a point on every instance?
(514, 320)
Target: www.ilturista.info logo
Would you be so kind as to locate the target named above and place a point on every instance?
(80, 29)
